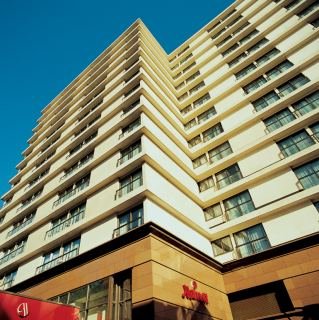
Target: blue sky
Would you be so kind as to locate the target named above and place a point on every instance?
(45, 44)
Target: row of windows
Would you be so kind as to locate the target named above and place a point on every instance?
(242, 203)
(197, 103)
(200, 118)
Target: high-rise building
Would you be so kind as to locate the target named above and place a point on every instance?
(182, 185)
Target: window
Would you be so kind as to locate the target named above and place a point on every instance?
(199, 161)
(131, 107)
(315, 22)
(206, 115)
(280, 68)
(186, 58)
(130, 152)
(192, 77)
(295, 143)
(230, 50)
(59, 255)
(78, 165)
(251, 240)
(248, 37)
(33, 197)
(197, 87)
(242, 73)
(201, 100)
(85, 127)
(220, 152)
(307, 104)
(13, 251)
(254, 85)
(238, 205)
(38, 178)
(190, 124)
(129, 183)
(129, 220)
(81, 144)
(222, 246)
(265, 100)
(183, 97)
(279, 119)
(315, 130)
(213, 211)
(186, 110)
(193, 142)
(39, 164)
(189, 67)
(292, 4)
(108, 298)
(228, 176)
(308, 174)
(7, 280)
(126, 130)
(308, 9)
(292, 84)
(223, 41)
(73, 189)
(241, 28)
(69, 218)
(206, 184)
(267, 56)
(17, 226)
(234, 21)
(212, 132)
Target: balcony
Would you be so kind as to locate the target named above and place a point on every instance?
(20, 227)
(70, 193)
(130, 128)
(76, 168)
(65, 257)
(27, 202)
(125, 189)
(64, 224)
(12, 254)
(127, 156)
(127, 227)
(6, 285)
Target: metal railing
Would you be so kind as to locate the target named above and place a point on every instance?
(130, 129)
(79, 165)
(12, 254)
(71, 193)
(28, 202)
(65, 257)
(129, 187)
(20, 226)
(137, 149)
(64, 224)
(127, 227)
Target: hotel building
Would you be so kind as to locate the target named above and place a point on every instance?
(182, 185)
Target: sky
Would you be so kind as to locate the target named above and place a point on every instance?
(45, 44)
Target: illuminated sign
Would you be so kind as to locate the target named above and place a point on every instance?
(190, 293)
(22, 310)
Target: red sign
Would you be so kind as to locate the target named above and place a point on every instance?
(191, 293)
(18, 307)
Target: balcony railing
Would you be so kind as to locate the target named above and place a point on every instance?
(129, 187)
(28, 202)
(127, 227)
(137, 149)
(129, 129)
(64, 224)
(19, 227)
(70, 193)
(12, 254)
(65, 257)
(79, 165)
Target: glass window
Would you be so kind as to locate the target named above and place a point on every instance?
(190, 124)
(193, 142)
(295, 143)
(129, 220)
(254, 84)
(220, 152)
(201, 100)
(222, 245)
(98, 294)
(186, 109)
(199, 161)
(206, 184)
(230, 50)
(313, 6)
(7, 280)
(237, 59)
(197, 87)
(292, 84)
(308, 174)
(315, 129)
(251, 240)
(192, 77)
(292, 4)
(258, 45)
(241, 28)
(130, 183)
(213, 211)
(280, 68)
(223, 41)
(77, 298)
(307, 104)
(265, 100)
(238, 205)
(212, 132)
(206, 115)
(234, 21)
(267, 56)
(228, 176)
(242, 73)
(248, 37)
(279, 119)
(130, 152)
